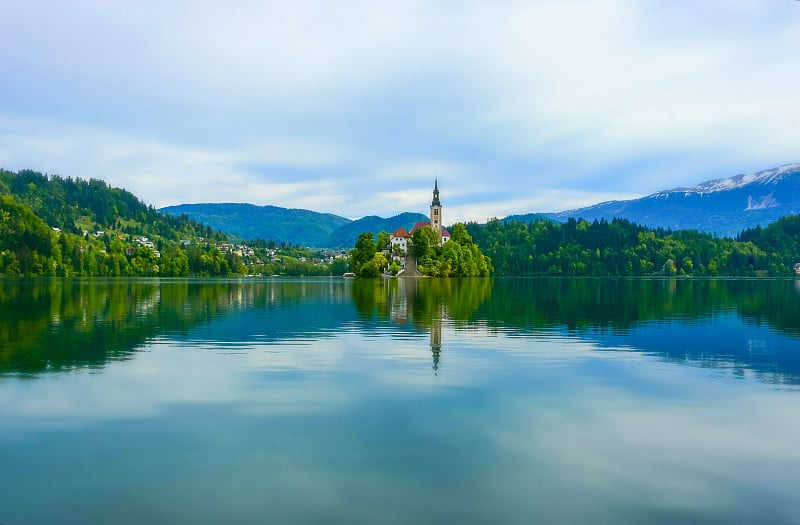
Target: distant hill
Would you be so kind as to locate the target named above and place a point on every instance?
(530, 217)
(347, 235)
(248, 221)
(293, 226)
(722, 206)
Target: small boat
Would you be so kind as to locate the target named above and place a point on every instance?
(348, 274)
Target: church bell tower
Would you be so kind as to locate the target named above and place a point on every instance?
(436, 210)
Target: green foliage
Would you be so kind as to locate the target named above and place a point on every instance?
(459, 257)
(363, 255)
(66, 203)
(621, 248)
(25, 241)
(424, 241)
(383, 241)
(780, 242)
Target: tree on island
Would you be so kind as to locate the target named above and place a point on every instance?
(366, 259)
(459, 257)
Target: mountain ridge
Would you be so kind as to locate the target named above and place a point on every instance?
(251, 221)
(290, 225)
(724, 206)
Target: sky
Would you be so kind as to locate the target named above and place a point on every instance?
(355, 108)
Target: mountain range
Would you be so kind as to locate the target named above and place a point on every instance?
(723, 207)
(288, 225)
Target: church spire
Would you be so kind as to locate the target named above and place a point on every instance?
(436, 193)
(436, 209)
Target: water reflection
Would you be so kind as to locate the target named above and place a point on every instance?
(741, 326)
(746, 326)
(420, 304)
(333, 401)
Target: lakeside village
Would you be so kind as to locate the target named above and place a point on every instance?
(255, 259)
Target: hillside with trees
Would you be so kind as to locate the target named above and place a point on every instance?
(55, 226)
(248, 221)
(622, 248)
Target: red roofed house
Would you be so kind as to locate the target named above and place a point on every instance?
(400, 240)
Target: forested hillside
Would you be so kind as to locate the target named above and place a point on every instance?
(75, 205)
(57, 226)
(248, 221)
(622, 248)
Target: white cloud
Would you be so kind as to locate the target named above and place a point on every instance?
(198, 101)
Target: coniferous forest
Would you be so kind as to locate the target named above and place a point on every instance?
(622, 248)
(54, 226)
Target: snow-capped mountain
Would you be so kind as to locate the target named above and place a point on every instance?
(721, 206)
(771, 176)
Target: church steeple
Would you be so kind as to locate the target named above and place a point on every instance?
(436, 194)
(436, 209)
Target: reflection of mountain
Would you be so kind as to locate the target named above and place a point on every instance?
(751, 326)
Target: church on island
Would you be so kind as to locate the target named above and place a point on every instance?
(401, 239)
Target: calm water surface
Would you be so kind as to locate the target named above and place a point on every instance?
(383, 402)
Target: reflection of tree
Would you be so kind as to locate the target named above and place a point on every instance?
(661, 317)
(604, 309)
(51, 325)
(621, 304)
(421, 303)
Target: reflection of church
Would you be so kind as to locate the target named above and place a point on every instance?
(402, 312)
(436, 339)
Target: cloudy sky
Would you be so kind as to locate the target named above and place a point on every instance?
(355, 107)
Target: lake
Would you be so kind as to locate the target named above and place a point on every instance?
(340, 401)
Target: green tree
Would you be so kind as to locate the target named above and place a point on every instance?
(362, 256)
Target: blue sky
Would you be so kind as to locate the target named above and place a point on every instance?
(355, 107)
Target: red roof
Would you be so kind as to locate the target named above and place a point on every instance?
(419, 225)
(401, 232)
